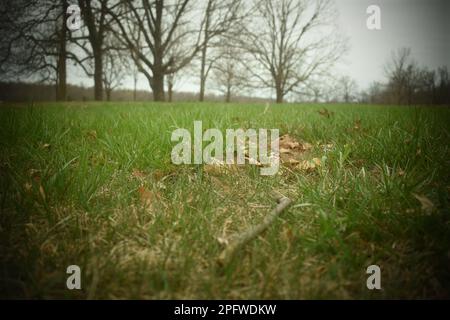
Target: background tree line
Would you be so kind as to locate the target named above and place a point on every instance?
(30, 92)
(409, 83)
(231, 44)
(284, 48)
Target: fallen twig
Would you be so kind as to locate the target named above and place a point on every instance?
(242, 239)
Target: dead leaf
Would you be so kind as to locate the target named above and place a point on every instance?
(306, 146)
(288, 143)
(317, 161)
(309, 165)
(138, 174)
(158, 175)
(284, 150)
(306, 165)
(427, 205)
(147, 197)
(293, 162)
(292, 151)
(287, 234)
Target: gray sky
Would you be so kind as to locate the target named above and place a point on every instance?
(422, 25)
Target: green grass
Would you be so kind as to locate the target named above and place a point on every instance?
(68, 196)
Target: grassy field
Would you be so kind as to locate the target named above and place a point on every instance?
(93, 185)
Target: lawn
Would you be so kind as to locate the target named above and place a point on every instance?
(92, 184)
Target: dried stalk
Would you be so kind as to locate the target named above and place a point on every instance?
(242, 239)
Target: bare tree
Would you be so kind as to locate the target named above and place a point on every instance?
(291, 40)
(176, 52)
(402, 72)
(115, 67)
(171, 80)
(348, 89)
(443, 87)
(61, 40)
(98, 22)
(220, 17)
(135, 80)
(149, 30)
(376, 92)
(34, 41)
(317, 89)
(427, 86)
(230, 76)
(433, 86)
(410, 84)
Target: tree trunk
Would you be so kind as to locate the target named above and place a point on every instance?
(61, 82)
(203, 75)
(135, 85)
(279, 93)
(157, 80)
(228, 95)
(410, 96)
(399, 96)
(96, 38)
(170, 88)
(157, 85)
(98, 74)
(279, 98)
(108, 94)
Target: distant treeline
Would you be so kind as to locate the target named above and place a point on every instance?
(409, 83)
(228, 45)
(19, 92)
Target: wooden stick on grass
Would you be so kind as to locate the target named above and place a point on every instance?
(242, 239)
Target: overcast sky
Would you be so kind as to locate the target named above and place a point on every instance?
(422, 25)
